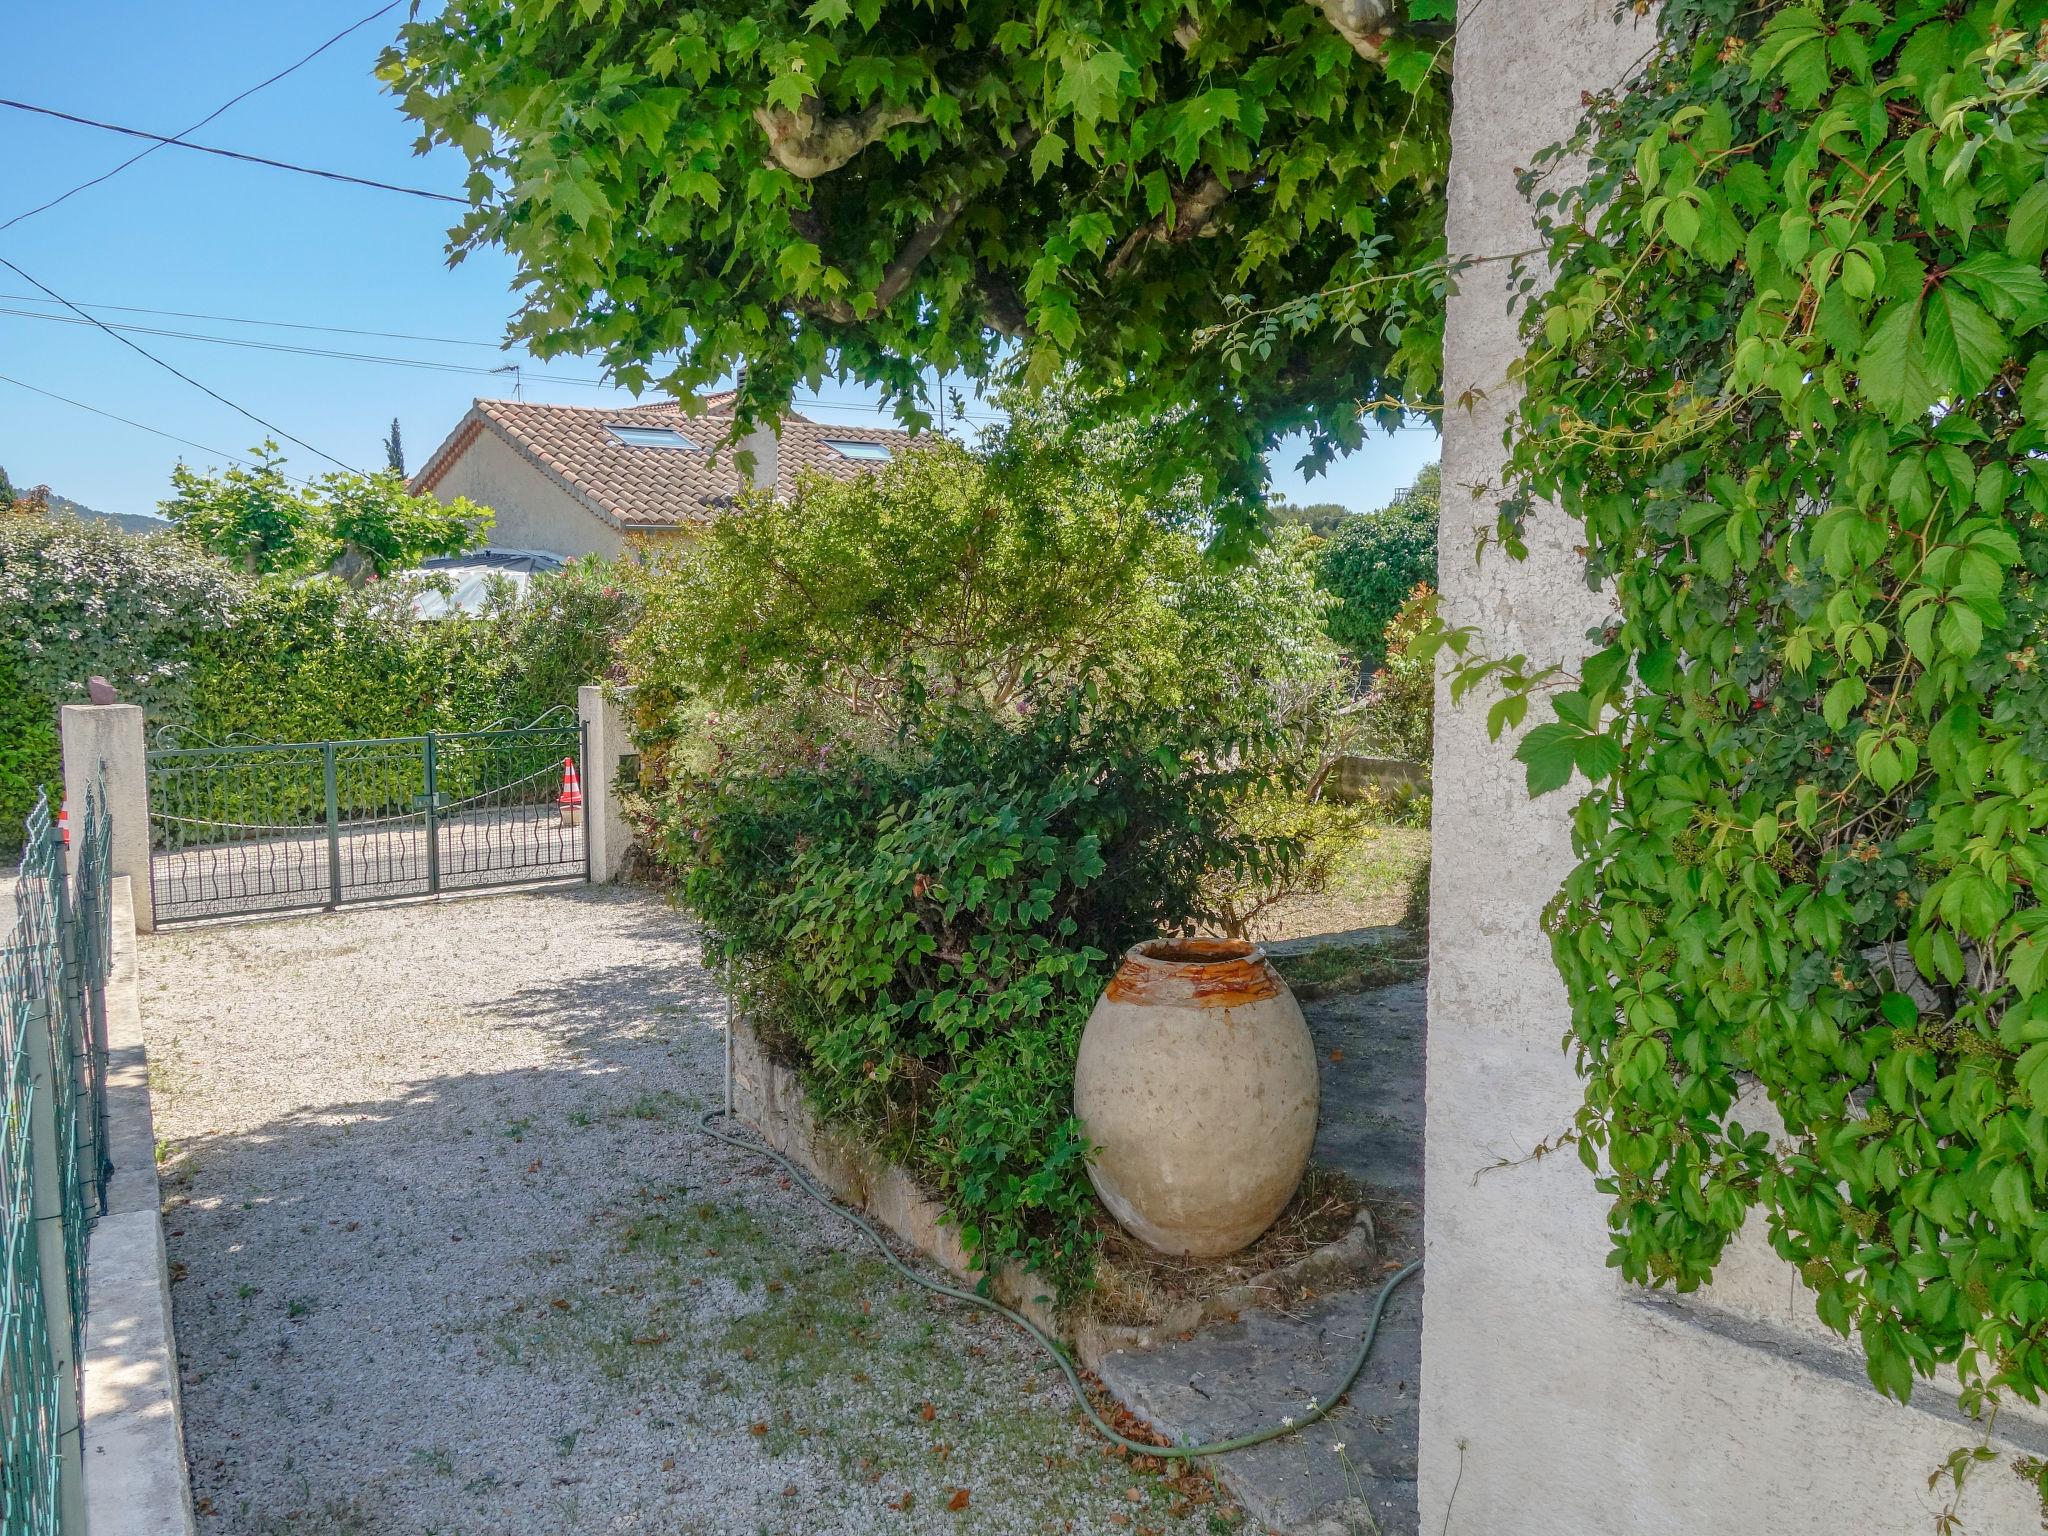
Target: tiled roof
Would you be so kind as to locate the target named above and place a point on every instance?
(636, 487)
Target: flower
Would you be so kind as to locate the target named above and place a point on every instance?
(1288, 1422)
(1338, 1448)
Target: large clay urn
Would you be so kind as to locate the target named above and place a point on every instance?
(1197, 1084)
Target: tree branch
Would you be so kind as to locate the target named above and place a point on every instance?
(1194, 205)
(1365, 24)
(807, 145)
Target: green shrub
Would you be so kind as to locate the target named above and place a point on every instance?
(1373, 562)
(80, 599)
(320, 660)
(563, 633)
(927, 751)
(1398, 712)
(926, 937)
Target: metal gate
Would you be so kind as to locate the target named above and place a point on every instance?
(275, 826)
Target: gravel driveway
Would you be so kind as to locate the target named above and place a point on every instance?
(449, 1256)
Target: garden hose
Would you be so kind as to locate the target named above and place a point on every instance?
(1314, 1410)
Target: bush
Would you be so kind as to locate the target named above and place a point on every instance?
(929, 750)
(564, 632)
(926, 937)
(80, 599)
(1398, 712)
(214, 655)
(1373, 562)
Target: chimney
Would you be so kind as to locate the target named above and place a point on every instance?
(765, 444)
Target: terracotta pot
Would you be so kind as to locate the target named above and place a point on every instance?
(1196, 1082)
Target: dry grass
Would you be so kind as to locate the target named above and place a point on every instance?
(1382, 878)
(1331, 969)
(1134, 1286)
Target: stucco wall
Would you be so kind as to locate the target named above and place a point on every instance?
(1554, 1399)
(533, 512)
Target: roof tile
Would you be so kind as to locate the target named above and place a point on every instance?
(643, 487)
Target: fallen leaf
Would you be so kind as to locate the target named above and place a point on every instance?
(1338, 1054)
(758, 1427)
(959, 1500)
(1135, 1495)
(789, 1492)
(927, 1412)
(668, 1463)
(903, 1504)
(559, 1304)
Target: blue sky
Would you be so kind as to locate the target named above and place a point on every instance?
(209, 237)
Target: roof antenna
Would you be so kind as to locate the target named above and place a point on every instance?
(518, 380)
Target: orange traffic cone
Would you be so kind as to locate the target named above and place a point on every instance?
(64, 822)
(572, 794)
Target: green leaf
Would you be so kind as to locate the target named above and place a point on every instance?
(2009, 286)
(2026, 230)
(1048, 152)
(1551, 753)
(1892, 373)
(1964, 346)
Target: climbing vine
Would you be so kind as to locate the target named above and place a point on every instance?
(1792, 378)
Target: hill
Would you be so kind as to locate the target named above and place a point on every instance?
(64, 506)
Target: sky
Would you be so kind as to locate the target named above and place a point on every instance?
(180, 236)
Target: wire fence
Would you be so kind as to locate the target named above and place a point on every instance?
(53, 1157)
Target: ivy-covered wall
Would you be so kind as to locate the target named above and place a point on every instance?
(1558, 1400)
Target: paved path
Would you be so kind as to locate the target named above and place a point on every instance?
(451, 1258)
(1353, 1474)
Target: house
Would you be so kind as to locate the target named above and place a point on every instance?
(571, 480)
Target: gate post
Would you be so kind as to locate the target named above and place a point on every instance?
(330, 792)
(606, 744)
(108, 739)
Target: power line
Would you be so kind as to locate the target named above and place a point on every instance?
(163, 139)
(216, 112)
(137, 347)
(287, 325)
(124, 420)
(433, 365)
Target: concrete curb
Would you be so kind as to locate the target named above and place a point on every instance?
(135, 1478)
(768, 1096)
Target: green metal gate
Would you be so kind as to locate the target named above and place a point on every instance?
(277, 826)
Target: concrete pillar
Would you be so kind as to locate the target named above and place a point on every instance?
(607, 743)
(1557, 1401)
(107, 740)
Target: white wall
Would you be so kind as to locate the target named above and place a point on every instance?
(533, 511)
(1555, 1401)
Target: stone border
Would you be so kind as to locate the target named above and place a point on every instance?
(767, 1095)
(135, 1477)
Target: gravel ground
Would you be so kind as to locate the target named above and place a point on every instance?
(449, 1256)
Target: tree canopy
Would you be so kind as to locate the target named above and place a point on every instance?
(257, 517)
(876, 188)
(1374, 562)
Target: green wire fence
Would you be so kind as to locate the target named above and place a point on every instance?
(54, 1166)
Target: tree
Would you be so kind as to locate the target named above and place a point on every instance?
(394, 451)
(1374, 562)
(250, 514)
(374, 520)
(1321, 518)
(884, 188)
(254, 516)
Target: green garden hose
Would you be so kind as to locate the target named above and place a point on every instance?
(1315, 1410)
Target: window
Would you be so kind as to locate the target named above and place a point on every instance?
(652, 437)
(852, 450)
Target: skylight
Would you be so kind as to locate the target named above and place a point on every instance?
(652, 437)
(851, 450)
